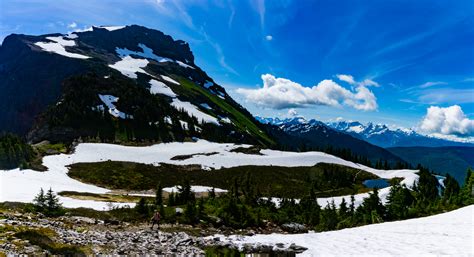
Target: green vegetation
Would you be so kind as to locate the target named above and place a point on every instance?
(48, 203)
(290, 182)
(14, 152)
(243, 122)
(43, 238)
(115, 198)
(243, 206)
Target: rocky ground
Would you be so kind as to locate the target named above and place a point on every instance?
(90, 236)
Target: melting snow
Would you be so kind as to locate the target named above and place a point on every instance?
(148, 53)
(108, 100)
(196, 189)
(158, 87)
(170, 79)
(206, 106)
(447, 234)
(194, 111)
(182, 64)
(129, 66)
(225, 120)
(184, 125)
(112, 28)
(58, 47)
(168, 120)
(56, 175)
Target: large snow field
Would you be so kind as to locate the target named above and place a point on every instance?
(22, 186)
(447, 234)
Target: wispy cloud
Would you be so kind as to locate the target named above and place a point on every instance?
(432, 83)
(219, 52)
(72, 25)
(350, 79)
(232, 14)
(261, 12)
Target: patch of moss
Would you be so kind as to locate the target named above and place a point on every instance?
(43, 238)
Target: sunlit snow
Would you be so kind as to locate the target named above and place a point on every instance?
(109, 101)
(58, 47)
(170, 79)
(158, 87)
(56, 176)
(129, 66)
(447, 234)
(192, 110)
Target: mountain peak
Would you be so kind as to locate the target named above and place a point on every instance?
(115, 84)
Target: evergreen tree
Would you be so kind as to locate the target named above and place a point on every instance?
(159, 195)
(190, 213)
(142, 208)
(451, 190)
(467, 191)
(399, 201)
(40, 201)
(172, 199)
(426, 187)
(372, 209)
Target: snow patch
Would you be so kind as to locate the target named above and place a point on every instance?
(109, 101)
(58, 47)
(112, 28)
(195, 189)
(184, 125)
(129, 66)
(158, 87)
(170, 79)
(206, 106)
(192, 110)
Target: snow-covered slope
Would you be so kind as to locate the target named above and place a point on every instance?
(377, 134)
(447, 234)
(386, 136)
(56, 175)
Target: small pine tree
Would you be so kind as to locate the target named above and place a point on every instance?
(190, 213)
(171, 199)
(40, 201)
(159, 195)
(451, 190)
(141, 208)
(48, 203)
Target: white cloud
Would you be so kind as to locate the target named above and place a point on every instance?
(281, 93)
(346, 78)
(269, 37)
(447, 121)
(350, 79)
(368, 83)
(72, 25)
(292, 112)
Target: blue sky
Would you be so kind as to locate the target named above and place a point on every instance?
(419, 53)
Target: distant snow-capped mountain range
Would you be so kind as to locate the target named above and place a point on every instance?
(376, 134)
